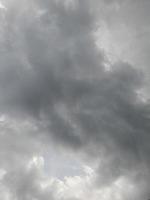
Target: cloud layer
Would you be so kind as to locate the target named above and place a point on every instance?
(60, 89)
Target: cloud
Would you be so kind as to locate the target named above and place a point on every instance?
(55, 89)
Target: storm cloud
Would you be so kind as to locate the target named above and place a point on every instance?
(73, 77)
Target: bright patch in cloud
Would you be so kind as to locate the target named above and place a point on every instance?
(2, 6)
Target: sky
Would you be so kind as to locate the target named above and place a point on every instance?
(74, 100)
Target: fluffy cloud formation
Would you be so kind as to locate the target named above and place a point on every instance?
(59, 87)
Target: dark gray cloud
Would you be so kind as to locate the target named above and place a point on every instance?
(53, 75)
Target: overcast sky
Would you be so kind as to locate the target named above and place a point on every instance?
(74, 99)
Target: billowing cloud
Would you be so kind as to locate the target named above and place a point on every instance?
(60, 88)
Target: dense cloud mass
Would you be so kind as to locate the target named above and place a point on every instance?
(74, 100)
